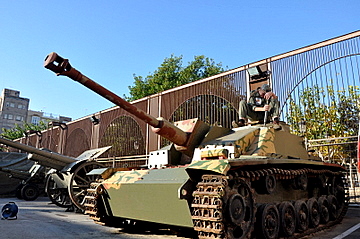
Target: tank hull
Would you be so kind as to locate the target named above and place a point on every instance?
(157, 195)
(149, 195)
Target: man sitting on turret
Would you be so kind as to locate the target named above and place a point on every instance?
(260, 101)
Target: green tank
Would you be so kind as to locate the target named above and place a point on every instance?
(215, 181)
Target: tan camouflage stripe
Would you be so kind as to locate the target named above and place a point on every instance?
(263, 143)
(122, 177)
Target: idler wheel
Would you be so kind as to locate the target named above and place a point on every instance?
(338, 190)
(287, 218)
(302, 216)
(332, 185)
(333, 207)
(268, 221)
(323, 209)
(314, 214)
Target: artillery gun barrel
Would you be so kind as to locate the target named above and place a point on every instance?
(44, 158)
(61, 66)
(17, 174)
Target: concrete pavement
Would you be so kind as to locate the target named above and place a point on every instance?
(40, 219)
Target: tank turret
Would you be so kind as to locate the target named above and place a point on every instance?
(185, 134)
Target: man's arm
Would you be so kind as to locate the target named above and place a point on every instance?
(270, 95)
(265, 108)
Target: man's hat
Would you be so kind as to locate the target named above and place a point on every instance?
(266, 87)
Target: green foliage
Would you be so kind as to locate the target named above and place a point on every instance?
(335, 119)
(338, 118)
(171, 73)
(20, 131)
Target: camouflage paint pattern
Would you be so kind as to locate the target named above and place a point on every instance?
(122, 177)
(243, 144)
(149, 195)
(263, 143)
(217, 166)
(214, 153)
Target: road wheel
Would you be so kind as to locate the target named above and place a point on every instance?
(30, 192)
(314, 214)
(287, 219)
(268, 221)
(58, 196)
(324, 209)
(302, 216)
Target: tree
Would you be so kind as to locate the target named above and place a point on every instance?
(171, 73)
(337, 119)
(20, 131)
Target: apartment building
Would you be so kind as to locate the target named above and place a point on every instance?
(35, 117)
(13, 109)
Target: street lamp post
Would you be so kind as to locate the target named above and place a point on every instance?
(302, 129)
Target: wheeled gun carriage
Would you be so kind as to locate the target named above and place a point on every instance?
(232, 181)
(20, 176)
(66, 180)
(30, 174)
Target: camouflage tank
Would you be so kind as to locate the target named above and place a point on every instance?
(215, 181)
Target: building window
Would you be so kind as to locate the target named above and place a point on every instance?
(12, 105)
(19, 118)
(5, 116)
(20, 106)
(10, 117)
(35, 120)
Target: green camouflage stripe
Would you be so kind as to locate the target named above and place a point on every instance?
(263, 143)
(214, 153)
(122, 177)
(218, 166)
(245, 143)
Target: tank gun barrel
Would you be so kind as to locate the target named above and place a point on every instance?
(45, 158)
(61, 66)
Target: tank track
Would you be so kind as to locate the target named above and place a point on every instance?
(225, 206)
(212, 219)
(92, 203)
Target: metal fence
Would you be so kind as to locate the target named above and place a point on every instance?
(341, 150)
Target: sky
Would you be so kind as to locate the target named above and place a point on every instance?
(109, 41)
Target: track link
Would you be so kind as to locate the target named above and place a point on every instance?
(91, 201)
(213, 213)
